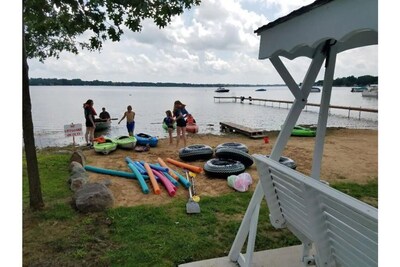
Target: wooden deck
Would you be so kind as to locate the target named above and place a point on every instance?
(250, 132)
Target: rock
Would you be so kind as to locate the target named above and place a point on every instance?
(76, 167)
(76, 175)
(78, 156)
(77, 183)
(93, 197)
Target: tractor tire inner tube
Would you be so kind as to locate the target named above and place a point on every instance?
(234, 145)
(222, 168)
(288, 162)
(195, 152)
(235, 154)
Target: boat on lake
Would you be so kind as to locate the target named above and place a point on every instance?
(372, 91)
(102, 124)
(261, 90)
(315, 89)
(221, 90)
(358, 89)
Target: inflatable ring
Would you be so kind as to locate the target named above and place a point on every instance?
(165, 127)
(195, 152)
(235, 154)
(288, 162)
(234, 145)
(222, 168)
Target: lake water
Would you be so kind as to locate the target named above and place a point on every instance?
(56, 106)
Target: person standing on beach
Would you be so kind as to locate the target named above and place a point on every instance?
(130, 120)
(169, 121)
(179, 113)
(89, 121)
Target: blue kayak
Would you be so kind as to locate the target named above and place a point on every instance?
(143, 139)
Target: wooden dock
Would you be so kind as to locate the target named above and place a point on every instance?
(250, 132)
(287, 103)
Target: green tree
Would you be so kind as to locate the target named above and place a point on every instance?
(53, 26)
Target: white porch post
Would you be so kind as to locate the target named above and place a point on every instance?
(323, 112)
(250, 219)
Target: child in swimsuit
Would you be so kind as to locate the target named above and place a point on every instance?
(130, 120)
(169, 121)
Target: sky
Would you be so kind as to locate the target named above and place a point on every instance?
(211, 43)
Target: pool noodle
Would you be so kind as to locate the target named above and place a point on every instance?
(162, 163)
(157, 168)
(111, 172)
(170, 178)
(142, 183)
(185, 165)
(168, 185)
(153, 181)
(140, 167)
(183, 180)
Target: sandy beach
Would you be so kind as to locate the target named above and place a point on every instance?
(350, 155)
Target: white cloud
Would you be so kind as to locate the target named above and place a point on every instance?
(211, 43)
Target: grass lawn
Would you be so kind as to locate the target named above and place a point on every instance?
(143, 235)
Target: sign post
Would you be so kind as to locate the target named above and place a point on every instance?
(73, 130)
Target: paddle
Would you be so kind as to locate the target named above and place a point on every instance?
(114, 119)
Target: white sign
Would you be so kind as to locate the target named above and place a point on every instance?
(73, 129)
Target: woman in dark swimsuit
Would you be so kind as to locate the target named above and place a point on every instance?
(90, 125)
(179, 113)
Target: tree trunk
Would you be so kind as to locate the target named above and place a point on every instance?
(35, 191)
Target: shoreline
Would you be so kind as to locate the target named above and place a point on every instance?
(350, 155)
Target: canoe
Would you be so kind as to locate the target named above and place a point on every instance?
(145, 139)
(302, 131)
(102, 124)
(106, 147)
(127, 142)
(192, 128)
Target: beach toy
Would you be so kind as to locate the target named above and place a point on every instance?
(162, 163)
(183, 180)
(153, 181)
(156, 167)
(185, 165)
(110, 172)
(171, 179)
(168, 185)
(142, 183)
(140, 167)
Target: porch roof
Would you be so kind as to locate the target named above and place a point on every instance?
(351, 23)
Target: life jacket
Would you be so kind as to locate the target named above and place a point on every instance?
(190, 120)
(100, 139)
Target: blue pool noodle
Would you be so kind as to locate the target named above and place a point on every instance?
(170, 178)
(110, 172)
(183, 180)
(142, 183)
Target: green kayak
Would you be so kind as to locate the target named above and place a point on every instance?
(124, 141)
(105, 147)
(302, 131)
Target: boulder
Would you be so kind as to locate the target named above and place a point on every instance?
(93, 197)
(73, 165)
(78, 156)
(77, 183)
(76, 168)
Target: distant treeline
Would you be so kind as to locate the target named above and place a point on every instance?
(345, 81)
(55, 81)
(353, 81)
